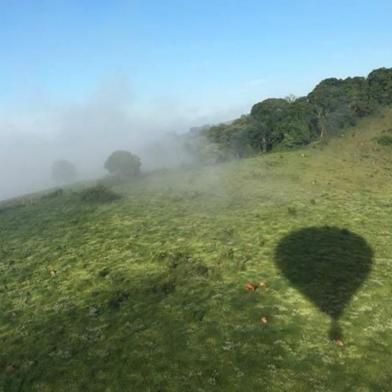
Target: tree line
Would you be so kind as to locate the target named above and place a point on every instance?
(274, 123)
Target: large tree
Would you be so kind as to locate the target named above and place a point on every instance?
(123, 163)
(380, 85)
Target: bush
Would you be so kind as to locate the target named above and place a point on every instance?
(112, 181)
(54, 194)
(385, 140)
(123, 163)
(99, 194)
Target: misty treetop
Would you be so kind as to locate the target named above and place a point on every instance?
(64, 172)
(123, 163)
(286, 123)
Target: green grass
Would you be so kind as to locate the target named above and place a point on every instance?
(146, 293)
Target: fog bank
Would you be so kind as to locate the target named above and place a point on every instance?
(39, 131)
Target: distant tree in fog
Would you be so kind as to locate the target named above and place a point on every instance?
(64, 172)
(123, 163)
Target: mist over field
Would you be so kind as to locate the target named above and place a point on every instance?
(39, 131)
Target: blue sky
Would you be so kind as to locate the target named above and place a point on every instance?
(206, 52)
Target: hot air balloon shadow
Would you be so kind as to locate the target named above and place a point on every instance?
(328, 265)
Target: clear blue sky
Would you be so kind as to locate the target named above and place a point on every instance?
(192, 51)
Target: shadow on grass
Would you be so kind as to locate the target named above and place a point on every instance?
(328, 265)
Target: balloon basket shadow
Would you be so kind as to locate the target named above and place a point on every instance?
(335, 331)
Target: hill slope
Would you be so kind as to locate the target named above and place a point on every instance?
(147, 293)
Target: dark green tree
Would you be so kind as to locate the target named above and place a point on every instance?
(123, 163)
(340, 102)
(380, 85)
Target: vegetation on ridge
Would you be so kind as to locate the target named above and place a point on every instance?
(287, 123)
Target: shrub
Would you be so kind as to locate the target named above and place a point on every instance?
(384, 140)
(292, 211)
(54, 194)
(99, 194)
(112, 181)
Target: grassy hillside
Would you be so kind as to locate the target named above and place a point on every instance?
(147, 293)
